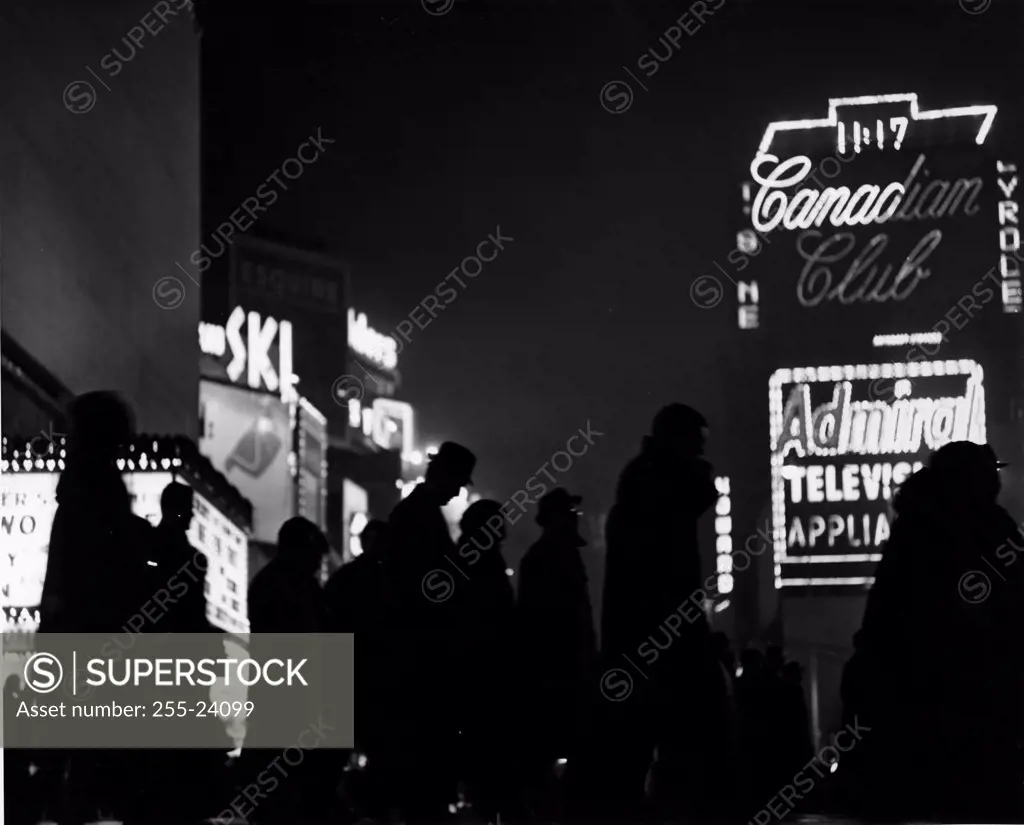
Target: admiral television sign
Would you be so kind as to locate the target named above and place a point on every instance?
(839, 452)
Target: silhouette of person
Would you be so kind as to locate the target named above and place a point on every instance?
(96, 568)
(95, 582)
(936, 672)
(354, 593)
(557, 630)
(652, 572)
(424, 575)
(20, 807)
(175, 556)
(484, 658)
(286, 597)
(180, 572)
(419, 538)
(358, 598)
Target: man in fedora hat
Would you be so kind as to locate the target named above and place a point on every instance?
(418, 532)
(420, 556)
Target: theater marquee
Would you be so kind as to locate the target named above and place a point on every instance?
(843, 439)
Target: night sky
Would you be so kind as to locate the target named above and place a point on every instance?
(447, 127)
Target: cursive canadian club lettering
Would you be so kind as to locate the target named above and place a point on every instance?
(913, 199)
(864, 281)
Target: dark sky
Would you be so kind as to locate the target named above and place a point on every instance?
(448, 127)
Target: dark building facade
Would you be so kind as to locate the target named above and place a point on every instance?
(99, 171)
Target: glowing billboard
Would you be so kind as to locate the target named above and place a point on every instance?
(843, 439)
(311, 463)
(28, 503)
(883, 212)
(247, 436)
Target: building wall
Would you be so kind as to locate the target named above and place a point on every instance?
(96, 206)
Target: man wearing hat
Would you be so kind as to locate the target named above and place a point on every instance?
(557, 624)
(420, 555)
(938, 657)
(419, 537)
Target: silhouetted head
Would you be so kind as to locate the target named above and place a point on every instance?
(301, 544)
(100, 423)
(774, 659)
(970, 471)
(372, 537)
(12, 685)
(680, 430)
(483, 524)
(450, 469)
(558, 510)
(176, 506)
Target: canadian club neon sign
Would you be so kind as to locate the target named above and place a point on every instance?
(837, 463)
(840, 265)
(901, 201)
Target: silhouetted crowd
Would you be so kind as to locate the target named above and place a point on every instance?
(473, 699)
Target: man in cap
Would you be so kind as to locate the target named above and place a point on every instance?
(557, 625)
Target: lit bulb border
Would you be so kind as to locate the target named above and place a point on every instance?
(859, 372)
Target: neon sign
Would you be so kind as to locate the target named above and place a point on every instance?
(830, 506)
(1009, 238)
(381, 349)
(250, 353)
(868, 204)
(897, 125)
(851, 249)
(723, 536)
(388, 423)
